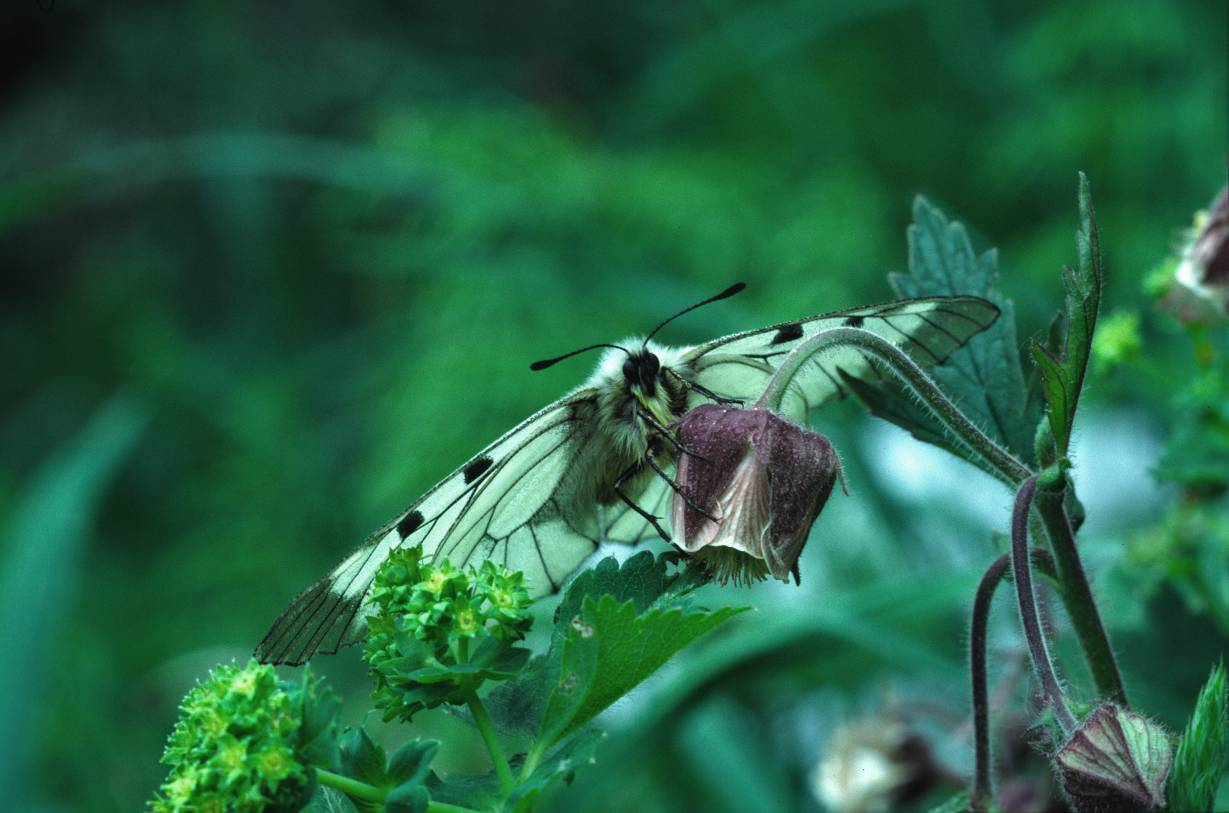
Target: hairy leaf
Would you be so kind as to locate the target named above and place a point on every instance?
(984, 377)
(1200, 758)
(609, 649)
(1083, 299)
(643, 579)
(1056, 386)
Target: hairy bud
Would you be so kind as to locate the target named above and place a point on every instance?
(1115, 760)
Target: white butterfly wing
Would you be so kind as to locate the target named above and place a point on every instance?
(739, 366)
(500, 506)
(928, 329)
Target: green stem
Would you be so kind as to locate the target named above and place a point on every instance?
(1006, 467)
(351, 787)
(487, 730)
(444, 807)
(370, 793)
(1078, 600)
(532, 759)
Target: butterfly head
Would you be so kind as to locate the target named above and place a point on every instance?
(640, 372)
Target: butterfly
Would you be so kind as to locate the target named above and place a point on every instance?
(596, 466)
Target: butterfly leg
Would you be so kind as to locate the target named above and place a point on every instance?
(706, 392)
(678, 489)
(631, 472)
(665, 433)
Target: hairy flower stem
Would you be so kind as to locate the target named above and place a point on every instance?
(1043, 667)
(1006, 467)
(983, 787)
(1078, 600)
(1073, 584)
(487, 730)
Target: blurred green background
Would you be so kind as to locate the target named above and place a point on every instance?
(269, 271)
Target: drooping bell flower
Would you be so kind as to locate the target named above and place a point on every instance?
(751, 485)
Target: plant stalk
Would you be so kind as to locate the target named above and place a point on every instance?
(351, 787)
(1006, 467)
(1043, 667)
(370, 793)
(487, 730)
(1073, 584)
(1078, 600)
(983, 786)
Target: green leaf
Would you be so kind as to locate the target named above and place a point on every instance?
(609, 649)
(318, 706)
(1056, 386)
(561, 764)
(1083, 299)
(515, 706)
(984, 376)
(643, 579)
(1202, 751)
(412, 761)
(362, 758)
(403, 776)
(410, 797)
(42, 553)
(1083, 288)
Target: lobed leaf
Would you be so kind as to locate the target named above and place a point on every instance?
(609, 649)
(984, 377)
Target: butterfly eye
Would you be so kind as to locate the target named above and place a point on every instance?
(652, 364)
(629, 371)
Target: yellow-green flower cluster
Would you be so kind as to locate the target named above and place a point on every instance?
(233, 746)
(438, 631)
(443, 606)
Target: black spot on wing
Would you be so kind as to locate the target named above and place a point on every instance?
(787, 333)
(410, 523)
(853, 321)
(476, 468)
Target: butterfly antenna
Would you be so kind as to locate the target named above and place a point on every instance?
(726, 294)
(544, 363)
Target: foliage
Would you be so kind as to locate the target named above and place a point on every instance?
(1203, 749)
(439, 633)
(245, 742)
(315, 247)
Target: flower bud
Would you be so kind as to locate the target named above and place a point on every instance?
(764, 480)
(241, 742)
(1115, 760)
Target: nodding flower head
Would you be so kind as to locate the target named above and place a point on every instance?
(752, 484)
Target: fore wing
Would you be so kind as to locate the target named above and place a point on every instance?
(928, 329)
(500, 506)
